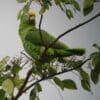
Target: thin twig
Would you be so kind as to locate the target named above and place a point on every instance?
(40, 32)
(73, 28)
(68, 31)
(50, 76)
(25, 63)
(23, 86)
(26, 56)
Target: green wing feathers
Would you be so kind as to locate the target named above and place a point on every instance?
(59, 48)
(34, 37)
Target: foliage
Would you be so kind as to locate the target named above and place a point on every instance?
(67, 6)
(10, 79)
(38, 71)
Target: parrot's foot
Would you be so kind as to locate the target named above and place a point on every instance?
(44, 58)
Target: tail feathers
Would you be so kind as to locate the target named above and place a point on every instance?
(77, 51)
(69, 52)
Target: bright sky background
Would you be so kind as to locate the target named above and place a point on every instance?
(55, 22)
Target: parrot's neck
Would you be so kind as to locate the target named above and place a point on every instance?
(33, 23)
(24, 27)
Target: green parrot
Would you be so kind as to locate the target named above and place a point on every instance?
(33, 44)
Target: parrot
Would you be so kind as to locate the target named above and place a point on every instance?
(35, 47)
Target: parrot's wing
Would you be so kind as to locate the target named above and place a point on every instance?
(59, 48)
(34, 37)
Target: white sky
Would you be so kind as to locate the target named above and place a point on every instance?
(54, 22)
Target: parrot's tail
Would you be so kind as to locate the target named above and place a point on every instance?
(77, 51)
(69, 52)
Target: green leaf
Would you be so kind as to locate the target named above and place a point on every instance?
(86, 85)
(84, 74)
(66, 1)
(3, 63)
(16, 68)
(95, 59)
(33, 95)
(57, 2)
(21, 1)
(59, 82)
(69, 84)
(76, 5)
(43, 9)
(62, 60)
(73, 64)
(52, 70)
(35, 91)
(39, 88)
(26, 8)
(77, 63)
(2, 95)
(2, 79)
(18, 82)
(88, 7)
(69, 13)
(23, 11)
(7, 68)
(94, 76)
(97, 47)
(8, 86)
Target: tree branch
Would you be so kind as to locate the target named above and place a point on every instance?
(50, 76)
(26, 56)
(73, 28)
(41, 36)
(23, 86)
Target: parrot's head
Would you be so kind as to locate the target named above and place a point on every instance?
(31, 16)
(28, 18)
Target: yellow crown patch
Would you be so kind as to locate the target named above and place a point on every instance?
(31, 13)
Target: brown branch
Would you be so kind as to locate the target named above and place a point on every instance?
(68, 31)
(23, 86)
(40, 32)
(73, 28)
(26, 56)
(50, 76)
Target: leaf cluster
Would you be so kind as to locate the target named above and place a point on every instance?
(69, 7)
